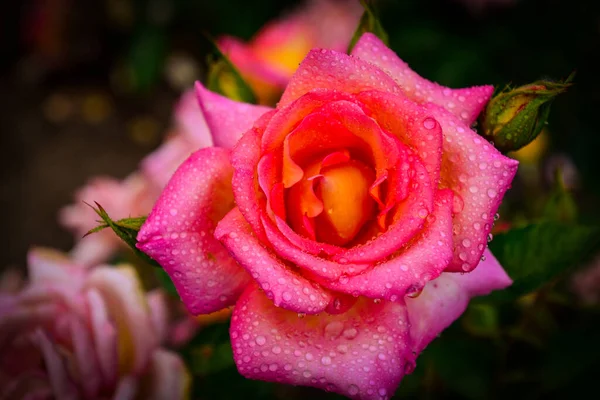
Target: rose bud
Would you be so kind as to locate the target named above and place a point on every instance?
(514, 117)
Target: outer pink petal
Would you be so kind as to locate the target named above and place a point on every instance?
(413, 266)
(285, 287)
(464, 103)
(228, 119)
(191, 122)
(479, 176)
(179, 233)
(328, 69)
(361, 353)
(443, 300)
(244, 159)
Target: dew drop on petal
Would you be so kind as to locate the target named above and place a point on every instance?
(260, 340)
(429, 123)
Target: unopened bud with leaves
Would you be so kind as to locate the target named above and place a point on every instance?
(515, 116)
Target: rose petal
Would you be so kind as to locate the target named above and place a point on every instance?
(227, 119)
(464, 103)
(318, 268)
(413, 266)
(409, 218)
(190, 119)
(329, 69)
(57, 372)
(126, 305)
(444, 299)
(179, 233)
(285, 287)
(410, 123)
(87, 363)
(104, 336)
(361, 353)
(48, 266)
(479, 176)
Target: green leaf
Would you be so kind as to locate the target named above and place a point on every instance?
(538, 253)
(368, 23)
(224, 78)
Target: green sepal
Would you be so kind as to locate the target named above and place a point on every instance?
(224, 78)
(126, 229)
(368, 23)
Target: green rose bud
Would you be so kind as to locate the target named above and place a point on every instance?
(514, 117)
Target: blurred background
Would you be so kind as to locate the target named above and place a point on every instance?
(87, 88)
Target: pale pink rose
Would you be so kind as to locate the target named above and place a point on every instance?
(131, 197)
(268, 60)
(78, 333)
(319, 220)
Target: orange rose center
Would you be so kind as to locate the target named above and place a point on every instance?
(332, 204)
(344, 190)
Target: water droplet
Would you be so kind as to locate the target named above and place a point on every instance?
(463, 256)
(492, 193)
(490, 237)
(301, 315)
(350, 333)
(325, 360)
(466, 243)
(286, 296)
(482, 257)
(276, 350)
(457, 204)
(473, 189)
(429, 123)
(496, 217)
(423, 213)
(334, 329)
(353, 390)
(260, 340)
(308, 356)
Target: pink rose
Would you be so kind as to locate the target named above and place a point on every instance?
(362, 189)
(269, 60)
(74, 333)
